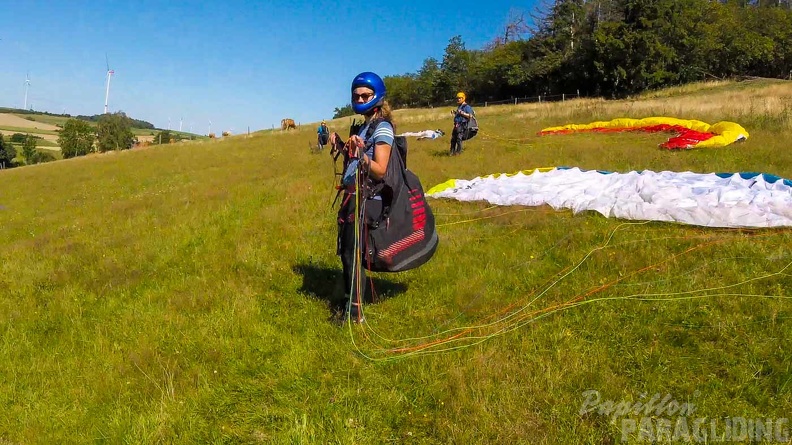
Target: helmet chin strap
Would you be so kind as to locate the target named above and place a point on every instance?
(372, 112)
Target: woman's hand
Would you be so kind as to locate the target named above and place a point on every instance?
(336, 144)
(353, 144)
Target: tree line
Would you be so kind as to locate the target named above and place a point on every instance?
(607, 48)
(134, 123)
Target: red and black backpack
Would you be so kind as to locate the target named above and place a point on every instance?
(404, 235)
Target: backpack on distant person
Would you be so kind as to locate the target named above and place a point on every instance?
(324, 135)
(471, 128)
(403, 237)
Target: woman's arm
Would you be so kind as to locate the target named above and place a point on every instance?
(378, 168)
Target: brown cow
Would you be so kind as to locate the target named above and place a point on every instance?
(288, 123)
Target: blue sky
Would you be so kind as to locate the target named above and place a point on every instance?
(238, 64)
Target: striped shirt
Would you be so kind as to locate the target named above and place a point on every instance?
(382, 134)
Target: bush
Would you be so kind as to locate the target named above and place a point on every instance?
(7, 153)
(19, 138)
(166, 137)
(76, 139)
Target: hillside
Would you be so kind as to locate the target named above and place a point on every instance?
(46, 126)
(178, 294)
(11, 123)
(60, 119)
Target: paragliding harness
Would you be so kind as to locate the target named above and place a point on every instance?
(323, 136)
(402, 236)
(471, 128)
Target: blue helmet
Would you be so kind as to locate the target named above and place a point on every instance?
(373, 81)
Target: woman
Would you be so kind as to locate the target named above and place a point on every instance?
(369, 151)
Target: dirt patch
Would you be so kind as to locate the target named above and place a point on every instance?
(12, 120)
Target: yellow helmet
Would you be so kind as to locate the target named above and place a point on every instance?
(462, 95)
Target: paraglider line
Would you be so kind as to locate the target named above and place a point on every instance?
(520, 318)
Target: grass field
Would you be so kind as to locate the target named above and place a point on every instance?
(26, 130)
(178, 294)
(44, 118)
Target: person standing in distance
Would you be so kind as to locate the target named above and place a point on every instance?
(323, 134)
(462, 116)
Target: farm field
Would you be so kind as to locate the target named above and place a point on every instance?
(178, 294)
(46, 127)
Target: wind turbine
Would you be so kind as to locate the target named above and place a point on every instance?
(109, 75)
(27, 84)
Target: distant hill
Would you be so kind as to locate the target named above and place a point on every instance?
(134, 123)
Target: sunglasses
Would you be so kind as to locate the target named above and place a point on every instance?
(365, 96)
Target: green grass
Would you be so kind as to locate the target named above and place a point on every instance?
(54, 153)
(39, 143)
(177, 294)
(45, 143)
(183, 134)
(44, 118)
(24, 130)
(709, 88)
(143, 132)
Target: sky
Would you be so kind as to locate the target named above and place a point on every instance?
(234, 65)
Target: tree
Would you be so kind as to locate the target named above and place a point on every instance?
(165, 137)
(426, 79)
(453, 70)
(29, 151)
(516, 26)
(607, 47)
(7, 153)
(402, 90)
(491, 71)
(76, 139)
(114, 133)
(344, 111)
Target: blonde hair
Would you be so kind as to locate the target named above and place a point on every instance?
(385, 112)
